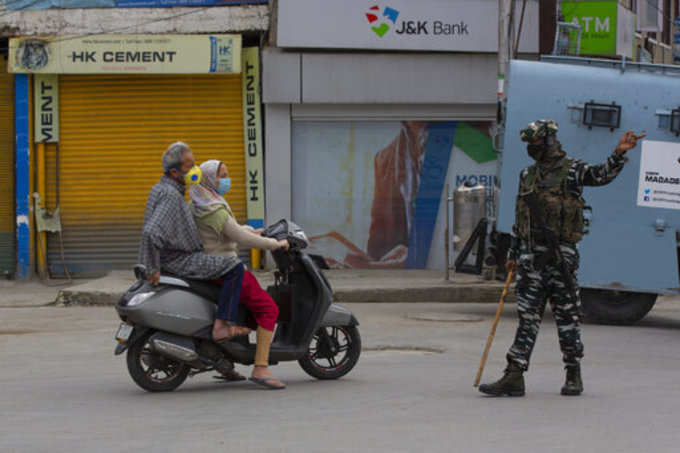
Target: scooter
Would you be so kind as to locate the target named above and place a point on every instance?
(167, 329)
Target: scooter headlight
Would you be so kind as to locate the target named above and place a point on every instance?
(139, 298)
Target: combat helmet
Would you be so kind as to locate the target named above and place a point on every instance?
(538, 130)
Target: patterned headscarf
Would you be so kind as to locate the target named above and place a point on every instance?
(204, 198)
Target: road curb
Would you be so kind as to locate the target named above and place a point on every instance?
(476, 293)
(88, 298)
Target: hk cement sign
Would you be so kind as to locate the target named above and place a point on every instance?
(252, 128)
(46, 95)
(439, 25)
(132, 54)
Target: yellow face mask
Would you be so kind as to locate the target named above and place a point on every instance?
(193, 176)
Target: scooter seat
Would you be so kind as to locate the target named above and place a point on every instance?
(209, 290)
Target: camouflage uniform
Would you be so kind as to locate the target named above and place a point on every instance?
(538, 278)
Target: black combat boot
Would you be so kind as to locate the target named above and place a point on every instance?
(573, 386)
(511, 384)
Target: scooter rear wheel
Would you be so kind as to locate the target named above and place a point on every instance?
(152, 371)
(332, 353)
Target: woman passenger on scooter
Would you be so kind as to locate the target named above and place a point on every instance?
(222, 235)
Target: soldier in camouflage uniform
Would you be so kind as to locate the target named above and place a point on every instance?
(557, 183)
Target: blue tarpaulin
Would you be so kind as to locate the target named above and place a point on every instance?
(74, 4)
(47, 4)
(171, 3)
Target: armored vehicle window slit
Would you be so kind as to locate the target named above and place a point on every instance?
(602, 115)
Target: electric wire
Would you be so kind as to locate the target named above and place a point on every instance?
(127, 27)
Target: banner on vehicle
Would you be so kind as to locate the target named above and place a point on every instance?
(659, 185)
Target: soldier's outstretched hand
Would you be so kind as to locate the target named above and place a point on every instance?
(628, 141)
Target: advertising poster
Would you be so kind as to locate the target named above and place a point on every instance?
(371, 194)
(659, 185)
(132, 54)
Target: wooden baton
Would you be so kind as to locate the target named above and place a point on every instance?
(493, 327)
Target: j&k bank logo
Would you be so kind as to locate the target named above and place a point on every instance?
(387, 15)
(382, 20)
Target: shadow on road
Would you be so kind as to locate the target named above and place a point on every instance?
(658, 322)
(487, 311)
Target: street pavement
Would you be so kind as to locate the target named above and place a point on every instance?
(62, 390)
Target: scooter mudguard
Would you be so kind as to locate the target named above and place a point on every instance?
(337, 315)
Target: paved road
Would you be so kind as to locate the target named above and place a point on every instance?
(61, 390)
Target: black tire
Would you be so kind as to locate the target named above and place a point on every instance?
(321, 360)
(615, 307)
(143, 364)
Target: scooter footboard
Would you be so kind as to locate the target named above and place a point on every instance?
(337, 315)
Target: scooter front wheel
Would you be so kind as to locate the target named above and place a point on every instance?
(332, 353)
(152, 371)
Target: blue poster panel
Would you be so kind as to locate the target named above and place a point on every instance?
(84, 4)
(61, 4)
(172, 3)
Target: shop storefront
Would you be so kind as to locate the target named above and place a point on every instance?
(376, 118)
(119, 107)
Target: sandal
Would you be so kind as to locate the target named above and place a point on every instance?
(266, 382)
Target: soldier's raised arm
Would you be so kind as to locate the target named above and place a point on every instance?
(599, 175)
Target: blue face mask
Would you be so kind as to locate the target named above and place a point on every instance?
(224, 186)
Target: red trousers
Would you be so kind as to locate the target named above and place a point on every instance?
(261, 307)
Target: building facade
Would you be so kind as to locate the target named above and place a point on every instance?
(96, 97)
(371, 109)
(641, 30)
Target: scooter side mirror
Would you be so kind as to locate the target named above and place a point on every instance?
(139, 271)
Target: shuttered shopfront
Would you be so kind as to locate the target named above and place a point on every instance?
(113, 131)
(7, 222)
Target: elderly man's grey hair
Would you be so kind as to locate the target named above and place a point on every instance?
(172, 157)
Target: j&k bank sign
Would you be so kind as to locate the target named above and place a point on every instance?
(434, 25)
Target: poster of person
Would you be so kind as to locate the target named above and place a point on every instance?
(371, 194)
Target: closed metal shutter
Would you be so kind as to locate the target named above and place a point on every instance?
(7, 264)
(114, 130)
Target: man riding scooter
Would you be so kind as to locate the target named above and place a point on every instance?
(171, 242)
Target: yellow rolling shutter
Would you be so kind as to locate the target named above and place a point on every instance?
(114, 130)
(7, 222)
